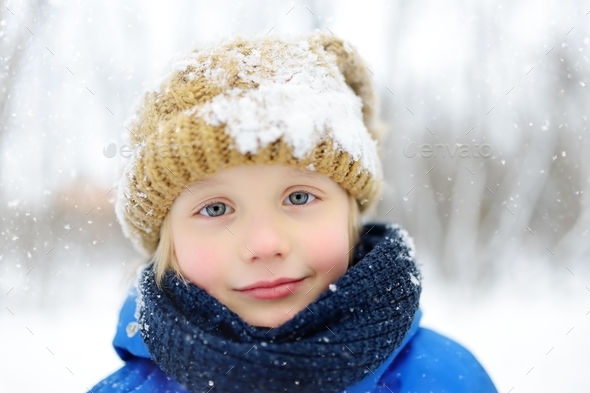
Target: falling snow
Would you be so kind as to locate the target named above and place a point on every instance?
(57, 138)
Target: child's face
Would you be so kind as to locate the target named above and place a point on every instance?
(262, 223)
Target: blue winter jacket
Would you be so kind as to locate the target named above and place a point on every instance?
(424, 362)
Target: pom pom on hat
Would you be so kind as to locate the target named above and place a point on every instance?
(305, 101)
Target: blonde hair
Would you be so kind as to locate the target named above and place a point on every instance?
(165, 258)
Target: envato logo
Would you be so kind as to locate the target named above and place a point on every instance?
(164, 150)
(426, 150)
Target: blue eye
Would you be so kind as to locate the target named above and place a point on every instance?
(214, 209)
(300, 197)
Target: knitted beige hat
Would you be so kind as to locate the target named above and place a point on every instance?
(305, 101)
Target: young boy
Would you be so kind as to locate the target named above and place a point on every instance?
(256, 160)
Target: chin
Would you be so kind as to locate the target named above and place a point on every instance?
(268, 321)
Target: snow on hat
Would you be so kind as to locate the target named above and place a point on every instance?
(305, 101)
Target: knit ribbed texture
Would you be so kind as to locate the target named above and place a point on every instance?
(201, 108)
(332, 344)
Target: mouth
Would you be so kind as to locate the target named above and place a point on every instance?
(272, 290)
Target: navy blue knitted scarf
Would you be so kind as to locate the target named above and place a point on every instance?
(328, 346)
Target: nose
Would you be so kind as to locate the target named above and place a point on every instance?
(266, 239)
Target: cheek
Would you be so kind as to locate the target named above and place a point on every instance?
(200, 262)
(327, 249)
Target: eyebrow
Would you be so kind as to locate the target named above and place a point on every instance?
(292, 172)
(207, 181)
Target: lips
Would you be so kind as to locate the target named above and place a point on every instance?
(275, 289)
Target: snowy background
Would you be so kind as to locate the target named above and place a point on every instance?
(502, 238)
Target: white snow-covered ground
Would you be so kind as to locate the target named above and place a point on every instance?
(530, 331)
(63, 345)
